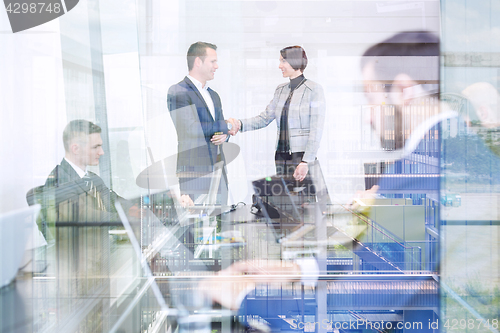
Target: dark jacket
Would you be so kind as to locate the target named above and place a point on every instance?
(195, 127)
(75, 199)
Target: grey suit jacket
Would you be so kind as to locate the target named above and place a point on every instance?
(306, 117)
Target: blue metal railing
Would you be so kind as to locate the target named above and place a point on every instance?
(386, 245)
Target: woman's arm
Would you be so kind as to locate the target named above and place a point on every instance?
(317, 120)
(317, 111)
(265, 117)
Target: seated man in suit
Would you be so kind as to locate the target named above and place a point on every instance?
(196, 112)
(79, 210)
(79, 195)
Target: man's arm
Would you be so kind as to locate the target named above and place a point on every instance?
(241, 277)
(183, 113)
(219, 125)
(221, 136)
(189, 119)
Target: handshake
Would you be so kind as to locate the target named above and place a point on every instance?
(219, 138)
(235, 125)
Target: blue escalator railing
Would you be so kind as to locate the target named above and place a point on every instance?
(382, 250)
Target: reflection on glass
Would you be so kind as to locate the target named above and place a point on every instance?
(354, 243)
(469, 188)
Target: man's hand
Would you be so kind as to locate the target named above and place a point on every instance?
(230, 285)
(301, 171)
(236, 126)
(218, 139)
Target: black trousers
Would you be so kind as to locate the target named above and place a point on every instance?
(286, 163)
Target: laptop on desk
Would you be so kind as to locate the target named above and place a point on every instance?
(273, 195)
(314, 187)
(276, 227)
(276, 196)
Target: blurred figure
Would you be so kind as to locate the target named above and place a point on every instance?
(485, 99)
(395, 83)
(196, 111)
(299, 110)
(395, 88)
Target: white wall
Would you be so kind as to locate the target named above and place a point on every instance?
(32, 109)
(249, 35)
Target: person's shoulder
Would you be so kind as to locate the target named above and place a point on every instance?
(282, 85)
(93, 175)
(179, 95)
(212, 92)
(95, 178)
(310, 84)
(54, 176)
(179, 87)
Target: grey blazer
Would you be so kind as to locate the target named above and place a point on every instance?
(306, 117)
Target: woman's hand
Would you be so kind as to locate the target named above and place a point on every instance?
(301, 171)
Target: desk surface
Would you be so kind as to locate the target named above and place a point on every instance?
(95, 282)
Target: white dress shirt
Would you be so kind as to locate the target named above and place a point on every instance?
(205, 94)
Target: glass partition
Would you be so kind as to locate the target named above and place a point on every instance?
(469, 189)
(337, 175)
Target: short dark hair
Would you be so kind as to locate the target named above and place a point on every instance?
(198, 49)
(295, 56)
(78, 127)
(404, 44)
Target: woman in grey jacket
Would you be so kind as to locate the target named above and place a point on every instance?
(299, 110)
